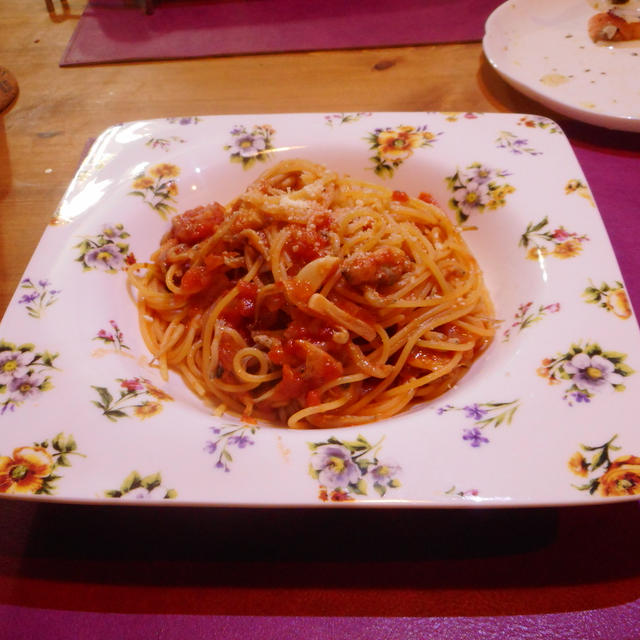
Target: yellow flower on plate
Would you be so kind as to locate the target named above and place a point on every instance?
(618, 303)
(164, 170)
(24, 471)
(144, 182)
(147, 410)
(499, 195)
(577, 186)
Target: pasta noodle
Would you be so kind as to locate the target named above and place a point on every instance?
(314, 300)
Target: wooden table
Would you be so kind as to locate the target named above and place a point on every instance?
(314, 562)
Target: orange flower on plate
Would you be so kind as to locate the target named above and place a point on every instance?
(622, 478)
(147, 410)
(339, 495)
(25, 470)
(578, 464)
(155, 392)
(400, 142)
(568, 248)
(535, 252)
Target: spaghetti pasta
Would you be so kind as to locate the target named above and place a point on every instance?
(314, 300)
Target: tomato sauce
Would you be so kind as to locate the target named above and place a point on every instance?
(305, 368)
(197, 224)
(240, 312)
(305, 244)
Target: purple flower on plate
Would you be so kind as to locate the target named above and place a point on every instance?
(241, 441)
(249, 145)
(581, 396)
(592, 373)
(22, 374)
(107, 257)
(107, 250)
(13, 364)
(26, 386)
(210, 446)
(114, 231)
(471, 197)
(477, 174)
(39, 298)
(474, 412)
(228, 438)
(28, 298)
(334, 466)
(386, 472)
(475, 437)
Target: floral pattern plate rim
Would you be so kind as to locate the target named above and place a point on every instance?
(545, 417)
(542, 48)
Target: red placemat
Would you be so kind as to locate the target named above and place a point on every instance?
(112, 31)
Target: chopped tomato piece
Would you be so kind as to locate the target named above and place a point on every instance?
(247, 289)
(276, 354)
(298, 291)
(313, 398)
(304, 245)
(242, 307)
(286, 353)
(226, 351)
(197, 224)
(291, 385)
(195, 279)
(312, 329)
(213, 261)
(428, 198)
(319, 366)
(305, 367)
(399, 196)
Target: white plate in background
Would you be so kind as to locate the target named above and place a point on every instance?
(542, 48)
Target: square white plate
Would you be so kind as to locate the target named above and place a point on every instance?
(545, 417)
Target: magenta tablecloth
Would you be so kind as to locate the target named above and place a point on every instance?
(621, 623)
(611, 163)
(110, 32)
